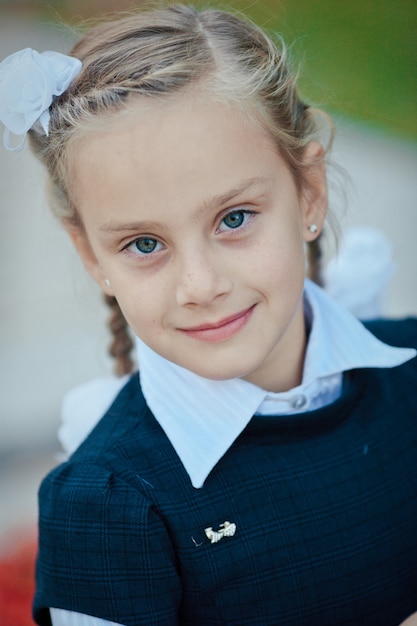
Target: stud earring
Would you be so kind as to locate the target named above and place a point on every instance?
(107, 282)
(313, 228)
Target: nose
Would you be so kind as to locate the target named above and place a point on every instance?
(202, 279)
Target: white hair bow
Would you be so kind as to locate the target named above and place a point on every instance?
(29, 82)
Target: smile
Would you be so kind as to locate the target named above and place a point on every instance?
(221, 330)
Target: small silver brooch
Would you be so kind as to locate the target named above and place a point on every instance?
(227, 529)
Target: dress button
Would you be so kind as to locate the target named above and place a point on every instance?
(298, 402)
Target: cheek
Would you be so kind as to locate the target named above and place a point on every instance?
(143, 302)
(279, 259)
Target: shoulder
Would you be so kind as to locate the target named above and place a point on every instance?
(108, 459)
(120, 422)
(401, 333)
(398, 382)
(98, 497)
(86, 498)
(88, 483)
(102, 545)
(111, 480)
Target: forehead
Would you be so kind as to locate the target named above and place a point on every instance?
(162, 150)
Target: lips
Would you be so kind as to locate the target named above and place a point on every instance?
(221, 330)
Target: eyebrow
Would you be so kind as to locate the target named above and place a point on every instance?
(216, 200)
(222, 199)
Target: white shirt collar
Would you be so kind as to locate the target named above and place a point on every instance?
(203, 425)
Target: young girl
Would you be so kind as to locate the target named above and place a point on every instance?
(262, 469)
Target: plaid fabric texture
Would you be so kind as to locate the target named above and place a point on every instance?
(324, 503)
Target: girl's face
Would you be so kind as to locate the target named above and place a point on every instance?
(194, 218)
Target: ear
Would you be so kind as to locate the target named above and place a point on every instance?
(89, 259)
(314, 193)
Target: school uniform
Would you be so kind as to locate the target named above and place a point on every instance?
(232, 505)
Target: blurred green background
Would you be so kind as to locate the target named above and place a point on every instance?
(357, 58)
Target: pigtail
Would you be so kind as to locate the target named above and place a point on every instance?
(121, 345)
(314, 259)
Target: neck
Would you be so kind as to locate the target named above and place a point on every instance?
(283, 368)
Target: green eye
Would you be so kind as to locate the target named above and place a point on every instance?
(145, 245)
(234, 219)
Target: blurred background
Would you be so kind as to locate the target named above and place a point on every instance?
(357, 61)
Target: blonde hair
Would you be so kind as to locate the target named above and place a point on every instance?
(160, 52)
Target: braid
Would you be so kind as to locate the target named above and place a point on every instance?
(314, 256)
(121, 346)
